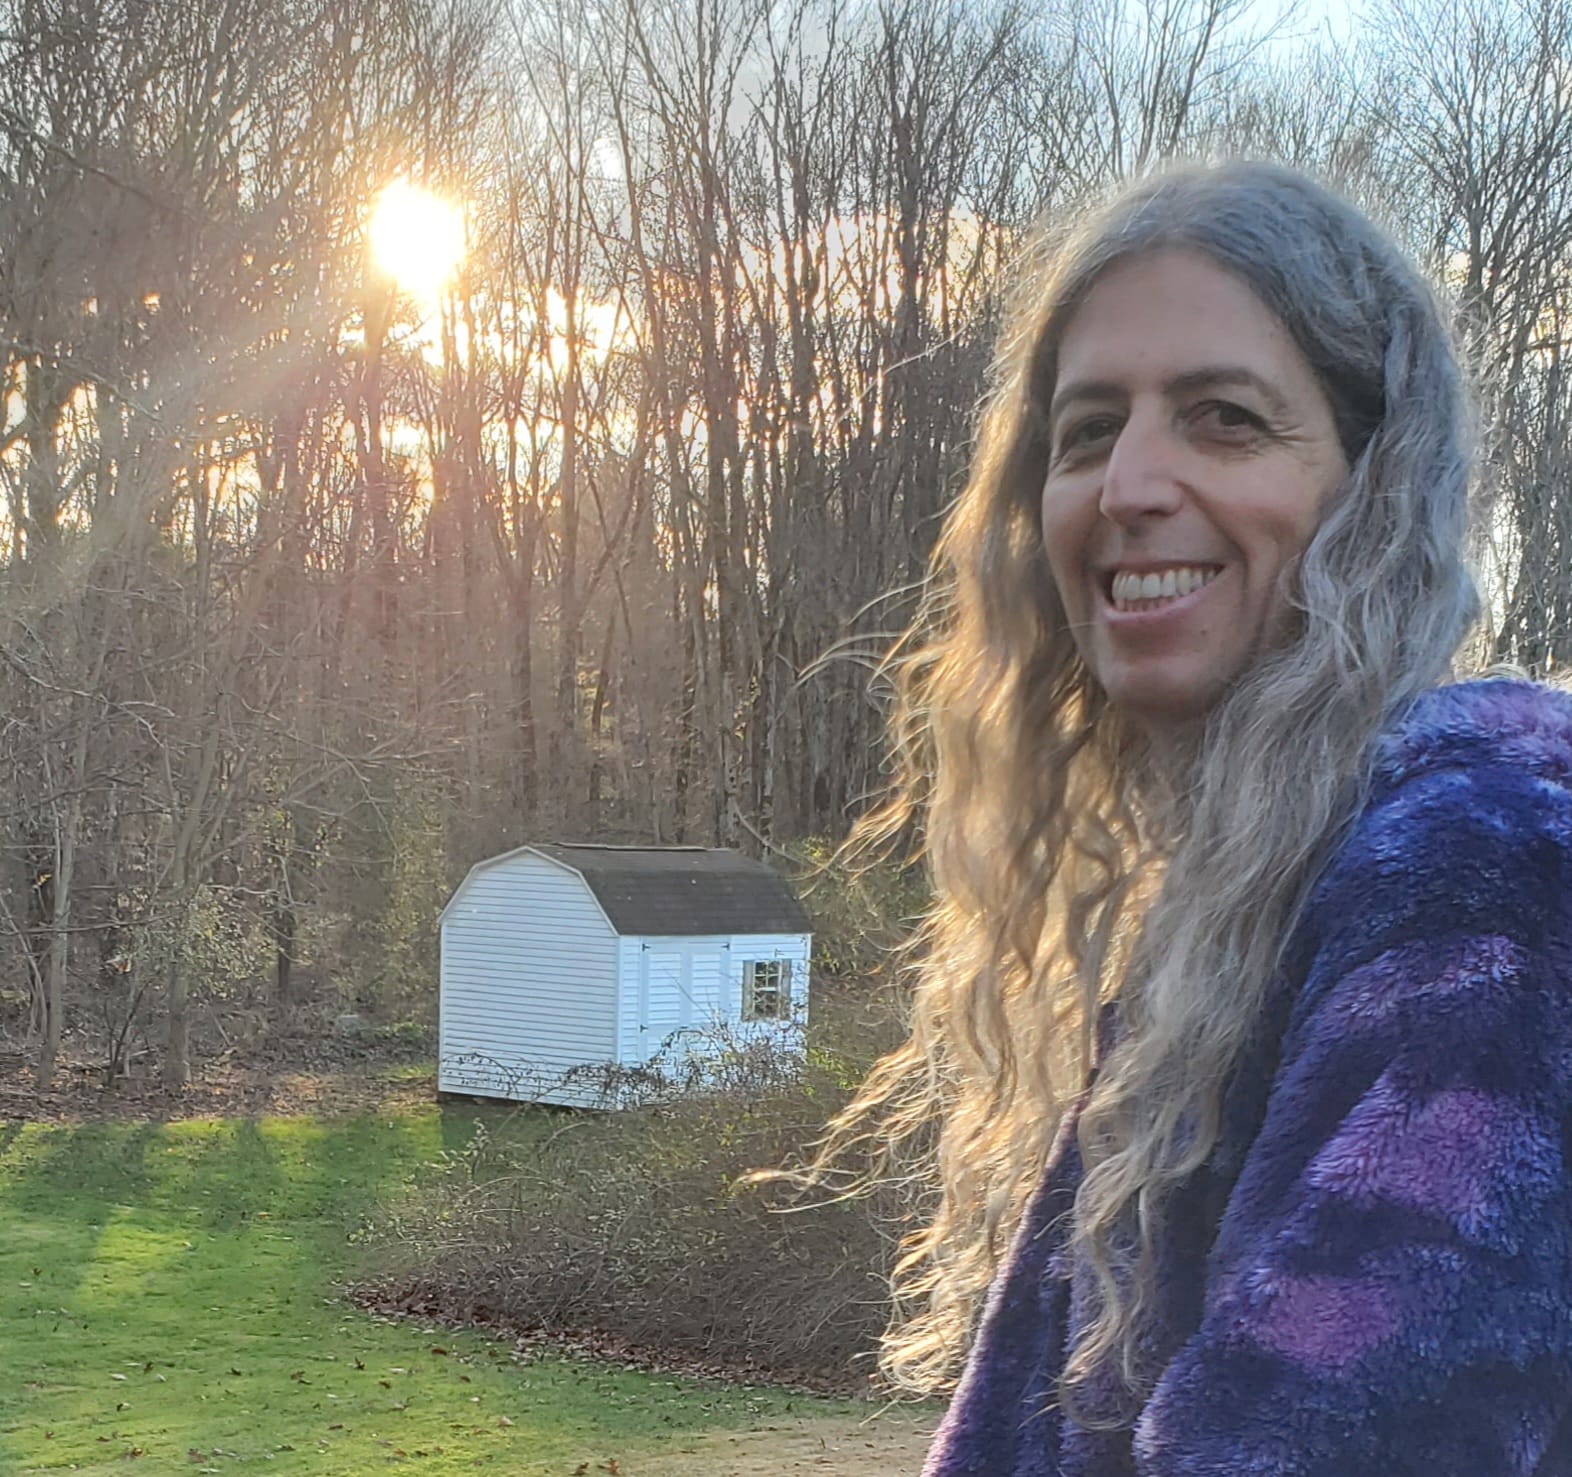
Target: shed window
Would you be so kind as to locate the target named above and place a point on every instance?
(766, 989)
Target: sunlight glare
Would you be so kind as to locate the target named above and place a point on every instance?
(417, 238)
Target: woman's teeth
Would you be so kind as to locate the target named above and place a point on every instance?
(1147, 591)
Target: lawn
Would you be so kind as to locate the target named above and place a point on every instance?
(168, 1293)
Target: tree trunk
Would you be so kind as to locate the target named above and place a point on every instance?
(177, 1045)
(59, 956)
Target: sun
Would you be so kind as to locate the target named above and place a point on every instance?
(417, 238)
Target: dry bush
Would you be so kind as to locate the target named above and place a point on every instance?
(639, 1225)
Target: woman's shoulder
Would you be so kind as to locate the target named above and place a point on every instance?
(1468, 829)
(1460, 866)
(1488, 723)
(1471, 787)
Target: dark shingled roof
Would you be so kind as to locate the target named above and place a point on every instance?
(683, 889)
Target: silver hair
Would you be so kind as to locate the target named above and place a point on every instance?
(1068, 870)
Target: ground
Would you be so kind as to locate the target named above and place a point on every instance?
(147, 1219)
(884, 1444)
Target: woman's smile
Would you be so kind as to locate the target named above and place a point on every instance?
(1130, 601)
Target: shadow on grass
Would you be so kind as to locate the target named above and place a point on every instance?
(151, 1260)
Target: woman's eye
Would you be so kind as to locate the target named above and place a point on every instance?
(1084, 433)
(1226, 416)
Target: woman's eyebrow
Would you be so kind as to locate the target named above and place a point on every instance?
(1215, 375)
(1082, 390)
(1210, 376)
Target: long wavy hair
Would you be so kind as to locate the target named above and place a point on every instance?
(1069, 869)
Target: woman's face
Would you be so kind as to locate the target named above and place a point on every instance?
(1192, 454)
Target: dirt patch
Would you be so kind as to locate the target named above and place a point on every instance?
(886, 1443)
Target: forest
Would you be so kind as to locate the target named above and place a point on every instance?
(433, 425)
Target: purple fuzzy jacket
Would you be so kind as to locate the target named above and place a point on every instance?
(1372, 1277)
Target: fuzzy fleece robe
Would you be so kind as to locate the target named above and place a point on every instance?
(1372, 1276)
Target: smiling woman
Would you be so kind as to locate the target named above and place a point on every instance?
(1245, 1004)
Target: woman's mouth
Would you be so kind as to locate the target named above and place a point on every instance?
(1130, 595)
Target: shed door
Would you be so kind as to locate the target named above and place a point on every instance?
(663, 978)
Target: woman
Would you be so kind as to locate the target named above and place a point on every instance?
(1246, 1000)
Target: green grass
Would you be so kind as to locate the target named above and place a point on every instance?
(168, 1301)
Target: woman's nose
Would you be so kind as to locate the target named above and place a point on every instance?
(1140, 477)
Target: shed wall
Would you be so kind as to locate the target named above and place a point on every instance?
(528, 984)
(673, 986)
(796, 949)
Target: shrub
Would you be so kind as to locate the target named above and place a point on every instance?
(640, 1225)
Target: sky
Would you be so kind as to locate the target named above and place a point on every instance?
(1313, 15)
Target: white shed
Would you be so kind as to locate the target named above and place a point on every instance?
(566, 969)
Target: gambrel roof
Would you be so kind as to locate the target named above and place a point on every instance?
(682, 889)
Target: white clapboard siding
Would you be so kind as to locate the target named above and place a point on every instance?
(528, 983)
(542, 1000)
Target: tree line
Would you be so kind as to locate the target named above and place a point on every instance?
(315, 589)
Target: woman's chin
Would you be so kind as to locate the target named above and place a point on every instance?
(1159, 701)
